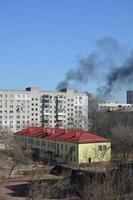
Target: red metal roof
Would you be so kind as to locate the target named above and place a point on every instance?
(61, 135)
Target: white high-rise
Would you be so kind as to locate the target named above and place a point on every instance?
(33, 107)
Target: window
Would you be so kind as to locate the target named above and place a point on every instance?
(42, 143)
(74, 159)
(73, 148)
(11, 117)
(102, 147)
(11, 111)
(37, 142)
(61, 146)
(18, 116)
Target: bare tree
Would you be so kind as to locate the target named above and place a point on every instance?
(104, 121)
(122, 138)
(116, 185)
(48, 189)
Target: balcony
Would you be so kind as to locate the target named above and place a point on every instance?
(46, 112)
(60, 118)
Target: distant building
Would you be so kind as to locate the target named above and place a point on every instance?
(130, 96)
(64, 146)
(32, 107)
(115, 107)
(3, 145)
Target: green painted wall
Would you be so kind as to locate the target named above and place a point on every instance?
(67, 152)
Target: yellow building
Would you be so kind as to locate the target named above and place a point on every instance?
(64, 146)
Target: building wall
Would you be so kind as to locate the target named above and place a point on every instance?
(130, 96)
(94, 152)
(32, 107)
(116, 106)
(14, 109)
(66, 109)
(65, 152)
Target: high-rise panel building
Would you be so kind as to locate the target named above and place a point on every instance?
(130, 96)
(33, 107)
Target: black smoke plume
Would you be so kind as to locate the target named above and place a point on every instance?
(107, 62)
(119, 76)
(86, 67)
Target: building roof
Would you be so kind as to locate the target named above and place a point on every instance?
(61, 135)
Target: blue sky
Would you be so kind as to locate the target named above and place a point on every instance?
(40, 40)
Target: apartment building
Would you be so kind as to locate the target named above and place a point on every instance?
(66, 109)
(33, 107)
(130, 97)
(19, 109)
(64, 146)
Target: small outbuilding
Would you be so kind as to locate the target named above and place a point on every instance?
(64, 146)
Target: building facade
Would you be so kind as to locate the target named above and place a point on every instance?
(130, 96)
(115, 107)
(33, 107)
(64, 146)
